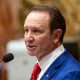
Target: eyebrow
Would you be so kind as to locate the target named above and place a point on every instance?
(38, 26)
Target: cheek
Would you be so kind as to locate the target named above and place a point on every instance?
(24, 37)
(25, 40)
(41, 40)
(44, 42)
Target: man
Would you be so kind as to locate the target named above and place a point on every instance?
(44, 31)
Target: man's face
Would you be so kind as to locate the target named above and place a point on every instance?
(37, 36)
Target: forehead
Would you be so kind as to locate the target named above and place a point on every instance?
(36, 17)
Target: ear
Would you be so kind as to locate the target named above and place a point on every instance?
(56, 35)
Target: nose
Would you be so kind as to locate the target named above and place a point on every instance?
(28, 37)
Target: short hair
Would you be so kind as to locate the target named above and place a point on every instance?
(57, 21)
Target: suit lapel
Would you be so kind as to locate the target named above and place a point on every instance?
(51, 71)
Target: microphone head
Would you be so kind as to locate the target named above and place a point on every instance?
(8, 57)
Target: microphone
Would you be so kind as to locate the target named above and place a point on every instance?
(8, 57)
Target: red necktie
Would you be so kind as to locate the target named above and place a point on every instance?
(36, 71)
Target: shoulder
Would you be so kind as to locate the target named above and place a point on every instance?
(74, 75)
(70, 64)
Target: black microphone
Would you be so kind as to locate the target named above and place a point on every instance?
(8, 57)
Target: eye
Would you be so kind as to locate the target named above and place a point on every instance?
(26, 30)
(36, 30)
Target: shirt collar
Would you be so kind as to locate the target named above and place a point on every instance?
(47, 60)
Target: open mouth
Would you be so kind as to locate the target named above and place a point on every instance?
(30, 47)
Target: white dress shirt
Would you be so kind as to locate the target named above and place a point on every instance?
(49, 59)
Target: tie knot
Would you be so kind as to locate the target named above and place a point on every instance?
(36, 71)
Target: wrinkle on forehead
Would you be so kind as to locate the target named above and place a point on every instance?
(38, 17)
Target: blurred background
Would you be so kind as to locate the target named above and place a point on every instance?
(12, 17)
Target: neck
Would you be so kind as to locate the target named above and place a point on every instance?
(39, 58)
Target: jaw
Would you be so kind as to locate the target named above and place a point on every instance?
(47, 51)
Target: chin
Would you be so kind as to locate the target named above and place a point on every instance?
(31, 54)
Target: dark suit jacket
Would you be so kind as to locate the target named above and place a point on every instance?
(65, 67)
